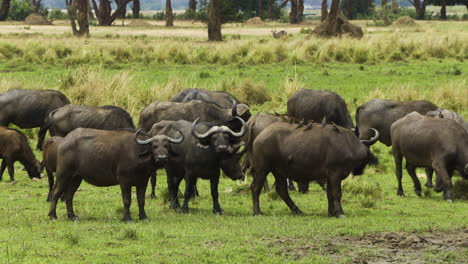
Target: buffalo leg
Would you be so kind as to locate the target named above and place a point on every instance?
(303, 187)
(281, 187)
(429, 172)
(412, 172)
(266, 186)
(443, 181)
(40, 137)
(2, 168)
(153, 186)
(398, 170)
(141, 190)
(214, 195)
(69, 194)
(11, 170)
(50, 177)
(291, 185)
(58, 189)
(126, 189)
(334, 196)
(173, 187)
(259, 179)
(190, 183)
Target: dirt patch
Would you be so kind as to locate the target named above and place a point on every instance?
(405, 21)
(36, 19)
(139, 23)
(254, 21)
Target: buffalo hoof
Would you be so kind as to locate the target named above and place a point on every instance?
(257, 213)
(418, 192)
(72, 216)
(184, 210)
(429, 185)
(52, 216)
(218, 212)
(298, 212)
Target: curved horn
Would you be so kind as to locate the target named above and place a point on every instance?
(240, 133)
(371, 141)
(234, 108)
(204, 135)
(141, 142)
(179, 140)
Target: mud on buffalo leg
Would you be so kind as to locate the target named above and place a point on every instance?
(443, 181)
(214, 195)
(141, 190)
(259, 179)
(429, 172)
(398, 170)
(71, 188)
(2, 168)
(57, 191)
(189, 187)
(334, 195)
(281, 186)
(412, 172)
(153, 186)
(126, 189)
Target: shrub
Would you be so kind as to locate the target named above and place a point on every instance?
(19, 10)
(58, 14)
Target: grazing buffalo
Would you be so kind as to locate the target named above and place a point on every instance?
(14, 147)
(29, 108)
(190, 111)
(443, 113)
(222, 99)
(106, 158)
(207, 149)
(313, 105)
(380, 114)
(255, 125)
(440, 144)
(66, 118)
(310, 152)
(49, 160)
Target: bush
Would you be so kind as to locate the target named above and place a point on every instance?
(57, 14)
(19, 10)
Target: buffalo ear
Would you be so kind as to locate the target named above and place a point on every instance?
(145, 155)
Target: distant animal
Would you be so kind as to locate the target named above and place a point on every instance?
(443, 113)
(319, 152)
(380, 114)
(207, 149)
(14, 147)
(65, 119)
(311, 105)
(49, 160)
(279, 34)
(29, 108)
(173, 111)
(440, 144)
(106, 158)
(256, 124)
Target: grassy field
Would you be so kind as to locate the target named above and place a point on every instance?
(427, 62)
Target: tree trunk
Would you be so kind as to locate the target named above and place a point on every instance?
(78, 9)
(214, 22)
(4, 10)
(260, 8)
(420, 6)
(36, 4)
(300, 9)
(337, 25)
(293, 12)
(122, 12)
(395, 7)
(384, 4)
(349, 9)
(324, 10)
(169, 15)
(103, 11)
(193, 5)
(136, 9)
(443, 10)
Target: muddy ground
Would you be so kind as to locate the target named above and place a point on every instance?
(387, 247)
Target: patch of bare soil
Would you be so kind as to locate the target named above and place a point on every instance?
(405, 21)
(36, 19)
(254, 21)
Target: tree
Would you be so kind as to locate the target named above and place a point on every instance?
(395, 7)
(324, 10)
(420, 6)
(104, 10)
(193, 5)
(36, 4)
(214, 22)
(297, 11)
(78, 9)
(169, 15)
(444, 3)
(336, 24)
(4, 9)
(136, 9)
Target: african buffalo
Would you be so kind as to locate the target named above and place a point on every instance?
(313, 105)
(14, 147)
(29, 108)
(440, 144)
(207, 149)
(159, 110)
(49, 160)
(309, 152)
(106, 158)
(380, 114)
(66, 118)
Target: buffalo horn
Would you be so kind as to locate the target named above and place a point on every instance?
(179, 140)
(234, 107)
(371, 141)
(238, 134)
(204, 135)
(141, 142)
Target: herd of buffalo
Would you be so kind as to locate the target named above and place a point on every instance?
(200, 132)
